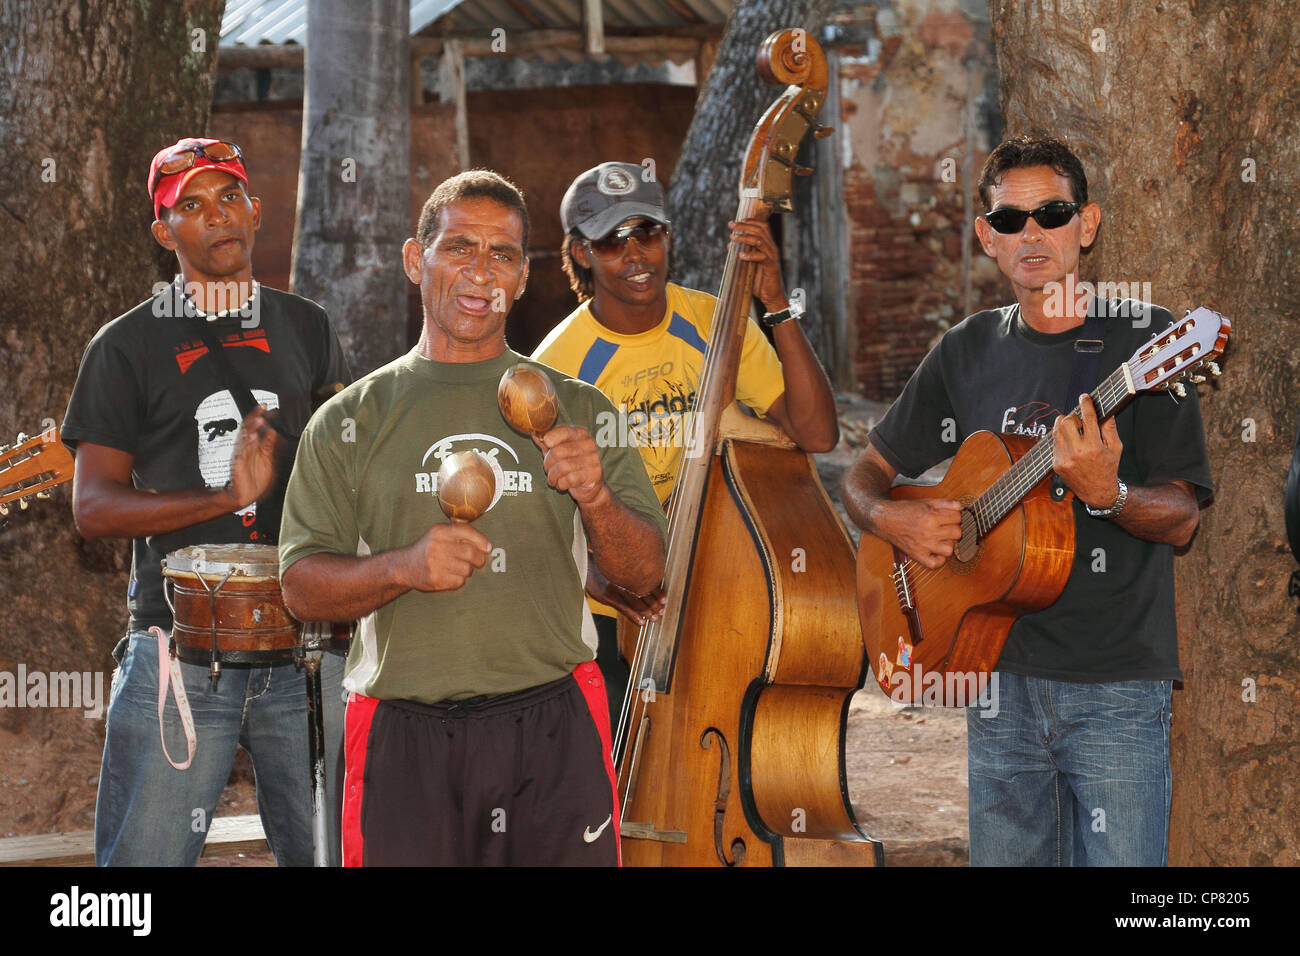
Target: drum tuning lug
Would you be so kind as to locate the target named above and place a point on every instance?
(1179, 389)
(803, 171)
(821, 132)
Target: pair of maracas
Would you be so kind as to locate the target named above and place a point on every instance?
(466, 482)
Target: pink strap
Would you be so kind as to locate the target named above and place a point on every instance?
(169, 670)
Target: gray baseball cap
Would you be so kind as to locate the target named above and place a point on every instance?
(602, 197)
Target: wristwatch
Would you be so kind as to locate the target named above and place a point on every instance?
(1113, 511)
(773, 319)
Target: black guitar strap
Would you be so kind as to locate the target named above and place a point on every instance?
(268, 510)
(1083, 374)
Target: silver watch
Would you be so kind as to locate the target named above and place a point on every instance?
(1113, 511)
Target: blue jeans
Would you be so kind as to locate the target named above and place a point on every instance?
(150, 814)
(1070, 774)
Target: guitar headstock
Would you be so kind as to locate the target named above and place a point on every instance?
(31, 466)
(795, 58)
(1191, 343)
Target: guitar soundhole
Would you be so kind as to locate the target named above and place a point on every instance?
(966, 554)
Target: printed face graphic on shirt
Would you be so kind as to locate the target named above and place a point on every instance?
(218, 419)
(511, 478)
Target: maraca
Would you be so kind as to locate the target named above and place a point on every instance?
(528, 400)
(466, 486)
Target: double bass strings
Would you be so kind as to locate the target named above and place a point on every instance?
(729, 321)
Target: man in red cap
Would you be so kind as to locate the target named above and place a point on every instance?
(173, 420)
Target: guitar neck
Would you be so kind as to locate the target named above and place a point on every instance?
(1005, 493)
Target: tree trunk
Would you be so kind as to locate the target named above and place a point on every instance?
(352, 196)
(88, 93)
(1194, 154)
(702, 197)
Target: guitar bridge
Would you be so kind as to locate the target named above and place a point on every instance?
(902, 587)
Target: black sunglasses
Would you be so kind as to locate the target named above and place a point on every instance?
(1050, 215)
(184, 159)
(648, 235)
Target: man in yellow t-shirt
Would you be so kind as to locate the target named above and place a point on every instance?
(641, 340)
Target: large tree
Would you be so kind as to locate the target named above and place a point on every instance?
(1187, 115)
(352, 192)
(88, 92)
(702, 196)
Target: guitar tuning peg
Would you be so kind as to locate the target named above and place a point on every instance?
(1196, 379)
(22, 503)
(4, 511)
(1179, 389)
(803, 171)
(1215, 371)
(42, 496)
(821, 132)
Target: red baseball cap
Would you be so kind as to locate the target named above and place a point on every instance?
(171, 184)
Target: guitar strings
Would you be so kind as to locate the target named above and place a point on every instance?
(1000, 497)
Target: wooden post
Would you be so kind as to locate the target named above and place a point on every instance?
(451, 83)
(595, 21)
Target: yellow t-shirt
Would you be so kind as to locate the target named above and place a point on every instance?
(652, 377)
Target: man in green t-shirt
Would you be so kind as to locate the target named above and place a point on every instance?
(477, 717)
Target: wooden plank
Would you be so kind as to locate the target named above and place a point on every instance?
(528, 43)
(228, 836)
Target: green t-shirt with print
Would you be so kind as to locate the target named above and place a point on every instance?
(364, 482)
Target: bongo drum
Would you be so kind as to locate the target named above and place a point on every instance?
(226, 606)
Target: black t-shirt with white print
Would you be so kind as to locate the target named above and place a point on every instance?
(992, 372)
(148, 387)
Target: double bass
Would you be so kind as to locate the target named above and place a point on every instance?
(732, 734)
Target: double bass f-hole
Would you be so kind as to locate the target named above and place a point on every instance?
(720, 804)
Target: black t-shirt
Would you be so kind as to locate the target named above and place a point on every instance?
(1115, 618)
(148, 387)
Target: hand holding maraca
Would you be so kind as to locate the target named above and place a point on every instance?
(445, 557)
(572, 462)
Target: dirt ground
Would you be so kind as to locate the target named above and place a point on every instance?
(906, 766)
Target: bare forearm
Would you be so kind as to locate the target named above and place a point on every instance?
(119, 511)
(865, 490)
(335, 587)
(1167, 514)
(626, 546)
(809, 401)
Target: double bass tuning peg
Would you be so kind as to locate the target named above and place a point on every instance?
(821, 132)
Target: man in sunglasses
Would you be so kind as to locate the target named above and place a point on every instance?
(1069, 764)
(640, 339)
(168, 456)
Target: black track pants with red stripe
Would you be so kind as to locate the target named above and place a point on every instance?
(522, 779)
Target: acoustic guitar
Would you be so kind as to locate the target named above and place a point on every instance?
(934, 636)
(32, 466)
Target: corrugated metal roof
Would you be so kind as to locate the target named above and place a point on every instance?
(253, 22)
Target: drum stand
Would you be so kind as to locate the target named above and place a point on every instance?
(316, 637)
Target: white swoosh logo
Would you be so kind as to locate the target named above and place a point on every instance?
(590, 837)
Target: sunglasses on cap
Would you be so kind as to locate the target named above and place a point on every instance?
(184, 159)
(1050, 215)
(648, 235)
